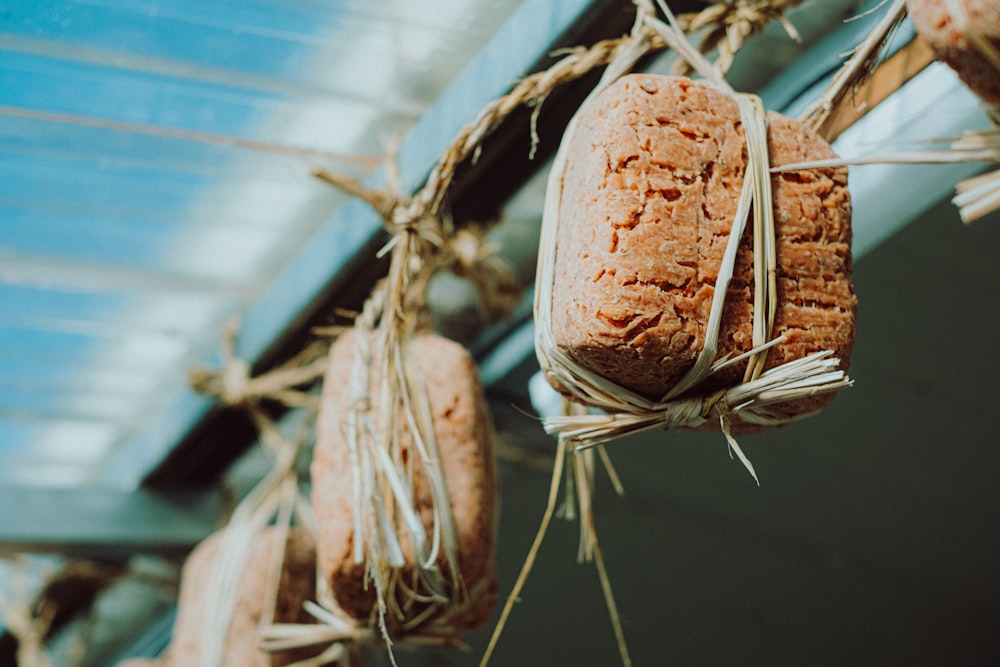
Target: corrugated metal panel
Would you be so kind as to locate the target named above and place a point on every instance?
(152, 184)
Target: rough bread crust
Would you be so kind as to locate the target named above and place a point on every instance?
(650, 190)
(464, 435)
(933, 21)
(298, 579)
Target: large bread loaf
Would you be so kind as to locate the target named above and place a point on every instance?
(464, 435)
(653, 175)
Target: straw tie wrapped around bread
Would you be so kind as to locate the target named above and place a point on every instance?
(650, 190)
(297, 584)
(952, 28)
(463, 433)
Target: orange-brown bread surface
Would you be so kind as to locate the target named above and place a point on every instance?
(297, 585)
(464, 435)
(933, 21)
(650, 190)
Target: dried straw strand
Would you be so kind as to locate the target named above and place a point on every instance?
(976, 196)
(234, 386)
(529, 560)
(730, 23)
(856, 70)
(609, 602)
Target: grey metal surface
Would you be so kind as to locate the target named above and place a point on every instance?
(105, 522)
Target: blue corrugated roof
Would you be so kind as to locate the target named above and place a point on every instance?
(149, 190)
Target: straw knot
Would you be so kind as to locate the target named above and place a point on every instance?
(231, 386)
(235, 382)
(714, 403)
(406, 216)
(468, 249)
(687, 413)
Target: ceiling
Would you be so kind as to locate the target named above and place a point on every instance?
(154, 184)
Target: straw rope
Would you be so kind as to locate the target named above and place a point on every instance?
(233, 385)
(729, 24)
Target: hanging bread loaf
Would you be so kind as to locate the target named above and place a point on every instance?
(952, 27)
(297, 585)
(650, 190)
(463, 432)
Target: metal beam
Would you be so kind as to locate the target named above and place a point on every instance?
(101, 522)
